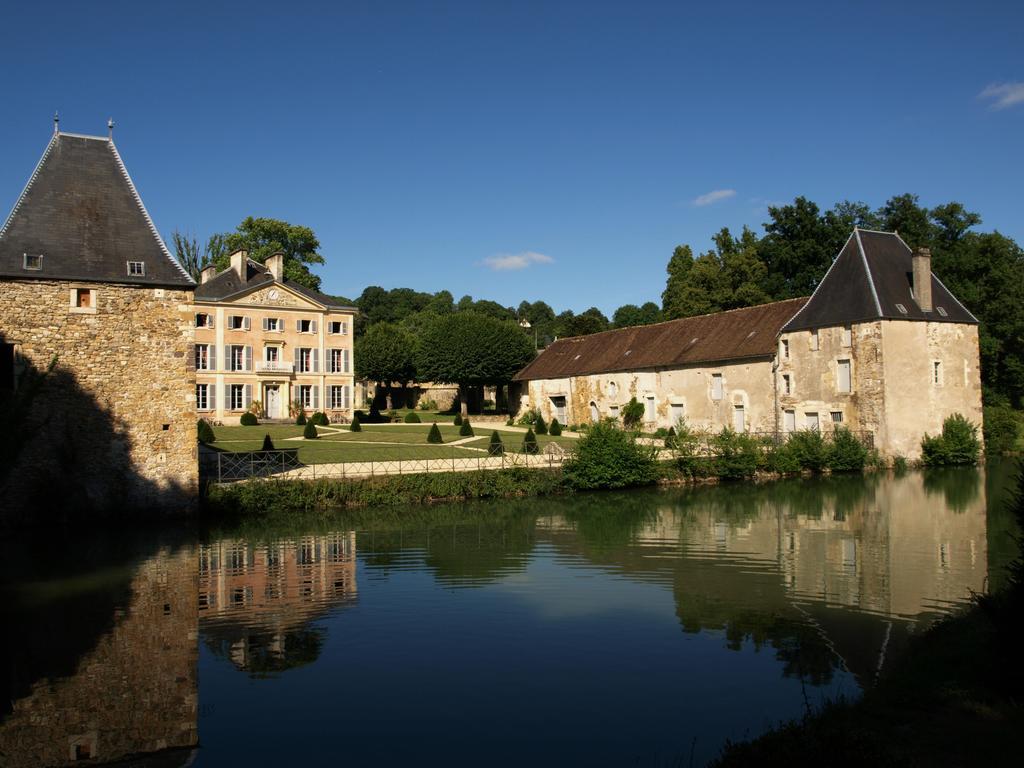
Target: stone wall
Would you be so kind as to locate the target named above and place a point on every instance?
(135, 692)
(113, 423)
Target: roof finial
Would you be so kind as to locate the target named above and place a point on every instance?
(110, 129)
(56, 121)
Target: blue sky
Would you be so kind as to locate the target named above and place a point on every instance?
(427, 143)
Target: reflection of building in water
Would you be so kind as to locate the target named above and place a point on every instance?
(858, 558)
(134, 692)
(256, 601)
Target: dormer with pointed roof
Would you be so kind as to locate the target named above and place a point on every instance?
(872, 278)
(80, 217)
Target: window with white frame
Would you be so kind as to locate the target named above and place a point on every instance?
(272, 324)
(136, 268)
(204, 320)
(784, 348)
(204, 360)
(271, 353)
(787, 384)
(716, 386)
(814, 340)
(340, 397)
(306, 359)
(236, 397)
(203, 397)
(305, 326)
(843, 378)
(337, 328)
(309, 395)
(32, 261)
(238, 323)
(238, 357)
(339, 361)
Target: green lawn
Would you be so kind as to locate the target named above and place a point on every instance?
(376, 442)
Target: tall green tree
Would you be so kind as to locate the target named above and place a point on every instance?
(629, 315)
(385, 354)
(263, 237)
(469, 349)
(191, 257)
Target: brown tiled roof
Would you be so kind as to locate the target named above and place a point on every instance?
(82, 214)
(870, 279)
(733, 335)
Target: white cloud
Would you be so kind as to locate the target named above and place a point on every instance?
(510, 261)
(714, 196)
(1003, 95)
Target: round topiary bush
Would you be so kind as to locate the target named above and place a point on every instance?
(466, 430)
(355, 426)
(300, 419)
(530, 442)
(248, 419)
(555, 429)
(495, 447)
(412, 418)
(310, 433)
(320, 419)
(539, 426)
(205, 432)
(434, 435)
(268, 444)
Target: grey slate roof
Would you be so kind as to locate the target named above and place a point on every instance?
(82, 213)
(226, 285)
(869, 278)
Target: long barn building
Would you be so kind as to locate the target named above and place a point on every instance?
(881, 347)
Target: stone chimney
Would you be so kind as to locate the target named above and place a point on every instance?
(239, 264)
(275, 263)
(922, 277)
(207, 274)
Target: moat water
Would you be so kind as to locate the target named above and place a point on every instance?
(640, 628)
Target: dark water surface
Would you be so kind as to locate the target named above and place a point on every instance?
(640, 628)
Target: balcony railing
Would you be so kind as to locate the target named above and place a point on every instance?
(274, 366)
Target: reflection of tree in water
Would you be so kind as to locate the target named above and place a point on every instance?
(958, 486)
(267, 654)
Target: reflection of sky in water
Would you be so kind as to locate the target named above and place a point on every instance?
(632, 628)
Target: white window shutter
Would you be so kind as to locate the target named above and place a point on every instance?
(248, 358)
(246, 323)
(247, 396)
(227, 397)
(347, 397)
(266, 323)
(298, 359)
(227, 358)
(316, 396)
(344, 361)
(298, 326)
(312, 326)
(209, 320)
(316, 360)
(211, 397)
(344, 329)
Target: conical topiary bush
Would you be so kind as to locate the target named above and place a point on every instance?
(466, 430)
(555, 428)
(457, 421)
(355, 426)
(530, 442)
(300, 419)
(495, 447)
(434, 435)
(310, 432)
(268, 444)
(539, 426)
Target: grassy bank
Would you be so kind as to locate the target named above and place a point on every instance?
(954, 698)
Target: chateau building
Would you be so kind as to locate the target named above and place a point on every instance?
(881, 347)
(95, 343)
(267, 344)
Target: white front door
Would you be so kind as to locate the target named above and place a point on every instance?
(273, 404)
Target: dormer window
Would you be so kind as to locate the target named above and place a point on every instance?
(32, 261)
(136, 268)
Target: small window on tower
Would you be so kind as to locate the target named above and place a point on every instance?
(33, 261)
(83, 298)
(136, 268)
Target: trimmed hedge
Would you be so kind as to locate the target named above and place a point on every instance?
(412, 418)
(466, 430)
(434, 435)
(248, 419)
(355, 426)
(268, 444)
(530, 442)
(310, 433)
(300, 420)
(495, 447)
(205, 432)
(554, 429)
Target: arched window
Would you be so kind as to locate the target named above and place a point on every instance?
(595, 415)
(613, 389)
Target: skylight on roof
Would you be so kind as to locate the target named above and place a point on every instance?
(627, 352)
(942, 311)
(32, 261)
(902, 309)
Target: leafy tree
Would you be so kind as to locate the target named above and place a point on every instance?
(189, 255)
(469, 350)
(263, 237)
(629, 315)
(958, 444)
(632, 413)
(903, 214)
(797, 249)
(385, 354)
(589, 321)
